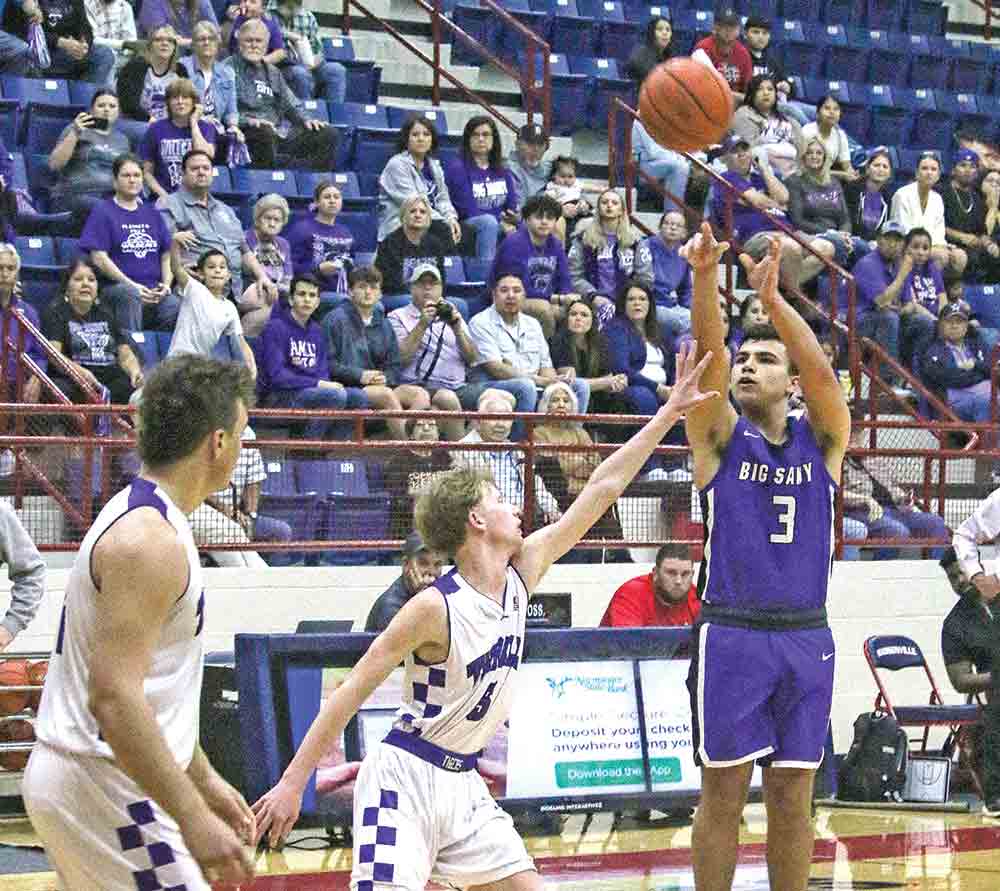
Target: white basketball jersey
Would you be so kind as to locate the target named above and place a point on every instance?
(459, 703)
(173, 684)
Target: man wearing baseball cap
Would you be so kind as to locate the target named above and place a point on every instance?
(965, 217)
(435, 348)
(723, 51)
(526, 163)
(421, 567)
(957, 365)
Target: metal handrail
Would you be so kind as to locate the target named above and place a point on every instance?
(533, 89)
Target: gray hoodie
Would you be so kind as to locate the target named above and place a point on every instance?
(25, 568)
(400, 180)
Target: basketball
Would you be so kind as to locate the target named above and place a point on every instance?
(18, 730)
(36, 675)
(685, 105)
(13, 673)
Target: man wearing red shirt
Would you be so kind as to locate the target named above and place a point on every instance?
(725, 52)
(664, 597)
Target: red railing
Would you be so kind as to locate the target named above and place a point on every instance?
(536, 88)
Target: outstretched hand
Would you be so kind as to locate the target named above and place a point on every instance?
(702, 250)
(763, 275)
(686, 393)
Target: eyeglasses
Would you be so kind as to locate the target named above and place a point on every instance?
(163, 40)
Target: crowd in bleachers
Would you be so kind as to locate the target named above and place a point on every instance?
(176, 192)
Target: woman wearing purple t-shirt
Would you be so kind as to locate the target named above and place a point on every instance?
(605, 253)
(922, 298)
(321, 246)
(481, 188)
(270, 214)
(167, 141)
(868, 198)
(129, 244)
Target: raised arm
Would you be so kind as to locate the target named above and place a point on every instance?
(422, 621)
(181, 275)
(710, 428)
(542, 548)
(829, 415)
(983, 526)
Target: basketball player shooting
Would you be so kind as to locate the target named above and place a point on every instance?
(421, 810)
(761, 677)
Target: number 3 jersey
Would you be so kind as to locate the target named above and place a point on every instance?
(458, 704)
(768, 515)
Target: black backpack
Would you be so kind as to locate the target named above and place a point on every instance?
(874, 768)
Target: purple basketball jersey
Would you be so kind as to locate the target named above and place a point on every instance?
(768, 523)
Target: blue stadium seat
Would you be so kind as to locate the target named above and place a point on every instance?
(338, 49)
(18, 172)
(10, 110)
(605, 84)
(363, 80)
(848, 61)
(222, 179)
(49, 90)
(804, 57)
(317, 109)
(572, 34)
(398, 115)
(888, 65)
(970, 74)
(926, 17)
(81, 92)
(928, 71)
(263, 182)
(984, 301)
(454, 271)
(556, 7)
(364, 228)
(480, 24)
(908, 160)
(619, 39)
(855, 120)
(844, 12)
(914, 100)
(788, 31)
(884, 15)
(814, 89)
(890, 125)
(374, 147)
(449, 146)
(831, 34)
(933, 129)
(870, 37)
(913, 43)
(799, 10)
(602, 10)
(147, 348)
(510, 42)
(570, 94)
(43, 124)
(356, 114)
(67, 249)
(36, 251)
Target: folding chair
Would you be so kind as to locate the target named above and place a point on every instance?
(894, 652)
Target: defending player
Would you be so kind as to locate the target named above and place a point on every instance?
(761, 678)
(420, 809)
(117, 786)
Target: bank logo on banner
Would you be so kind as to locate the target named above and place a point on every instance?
(590, 684)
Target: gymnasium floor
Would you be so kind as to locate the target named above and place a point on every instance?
(855, 849)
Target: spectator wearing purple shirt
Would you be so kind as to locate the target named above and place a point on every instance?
(605, 253)
(880, 277)
(436, 349)
(536, 256)
(867, 198)
(129, 243)
(763, 199)
(10, 268)
(168, 140)
(922, 298)
(481, 188)
(270, 214)
(321, 246)
(671, 274)
(293, 362)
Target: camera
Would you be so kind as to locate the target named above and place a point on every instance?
(446, 312)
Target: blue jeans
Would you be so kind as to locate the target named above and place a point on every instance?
(971, 403)
(675, 319)
(328, 81)
(128, 309)
(896, 523)
(882, 326)
(331, 399)
(853, 529)
(15, 56)
(95, 67)
(487, 229)
(672, 171)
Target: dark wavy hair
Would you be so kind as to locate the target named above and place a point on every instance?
(77, 261)
(403, 143)
(478, 120)
(752, 89)
(592, 358)
(651, 328)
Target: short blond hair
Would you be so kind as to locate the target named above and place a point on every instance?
(442, 511)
